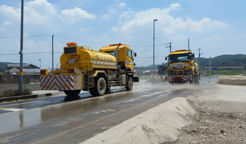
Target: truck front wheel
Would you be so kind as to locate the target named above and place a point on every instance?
(196, 79)
(129, 84)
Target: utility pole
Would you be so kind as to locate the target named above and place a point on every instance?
(209, 60)
(52, 52)
(170, 46)
(199, 56)
(188, 44)
(21, 49)
(154, 47)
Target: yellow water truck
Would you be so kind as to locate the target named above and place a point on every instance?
(182, 67)
(82, 68)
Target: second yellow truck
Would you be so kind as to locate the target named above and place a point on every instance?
(182, 67)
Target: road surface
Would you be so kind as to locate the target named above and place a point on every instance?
(60, 119)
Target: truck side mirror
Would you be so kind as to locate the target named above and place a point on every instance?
(116, 53)
(135, 54)
(165, 58)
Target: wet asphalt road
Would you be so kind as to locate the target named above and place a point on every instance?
(60, 119)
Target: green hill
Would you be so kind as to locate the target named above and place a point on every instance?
(224, 60)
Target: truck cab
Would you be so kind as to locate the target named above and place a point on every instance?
(181, 62)
(123, 54)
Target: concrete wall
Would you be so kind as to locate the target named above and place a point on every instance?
(16, 86)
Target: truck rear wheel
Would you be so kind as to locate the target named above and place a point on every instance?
(100, 87)
(129, 84)
(72, 92)
(92, 92)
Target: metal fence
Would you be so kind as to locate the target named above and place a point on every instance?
(11, 82)
(14, 79)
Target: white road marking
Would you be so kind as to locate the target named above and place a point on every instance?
(11, 109)
(142, 97)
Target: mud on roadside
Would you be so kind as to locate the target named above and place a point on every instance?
(220, 118)
(232, 80)
(215, 127)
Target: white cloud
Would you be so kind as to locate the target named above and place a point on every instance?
(5, 24)
(35, 12)
(10, 12)
(75, 14)
(121, 4)
(180, 36)
(115, 29)
(106, 16)
(82, 29)
(32, 46)
(168, 24)
(87, 29)
(211, 38)
(111, 12)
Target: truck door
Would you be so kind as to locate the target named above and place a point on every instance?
(129, 59)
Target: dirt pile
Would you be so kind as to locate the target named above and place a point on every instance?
(221, 118)
(232, 80)
(213, 115)
(157, 125)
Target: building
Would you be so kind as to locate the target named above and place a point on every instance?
(25, 66)
(16, 65)
(14, 68)
(161, 70)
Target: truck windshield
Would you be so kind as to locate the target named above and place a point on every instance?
(110, 52)
(179, 58)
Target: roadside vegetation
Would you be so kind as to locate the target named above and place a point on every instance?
(11, 92)
(225, 72)
(144, 77)
(228, 72)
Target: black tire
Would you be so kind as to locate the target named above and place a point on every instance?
(101, 86)
(108, 90)
(129, 84)
(92, 92)
(72, 92)
(196, 79)
(193, 79)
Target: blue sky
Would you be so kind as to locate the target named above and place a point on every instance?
(217, 27)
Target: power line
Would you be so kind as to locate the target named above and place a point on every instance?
(144, 62)
(220, 35)
(151, 57)
(148, 60)
(30, 53)
(10, 37)
(80, 40)
(170, 46)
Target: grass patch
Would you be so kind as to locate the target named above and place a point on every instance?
(228, 72)
(11, 92)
